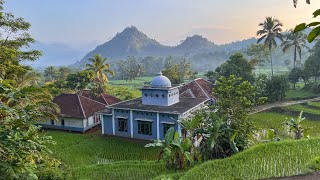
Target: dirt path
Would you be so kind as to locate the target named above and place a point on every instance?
(261, 108)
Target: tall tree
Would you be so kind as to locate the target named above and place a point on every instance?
(100, 67)
(258, 54)
(51, 73)
(297, 41)
(270, 32)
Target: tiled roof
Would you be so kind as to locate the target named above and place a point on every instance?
(198, 88)
(103, 98)
(77, 106)
(182, 106)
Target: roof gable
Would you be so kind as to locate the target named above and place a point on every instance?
(198, 88)
(77, 106)
(103, 98)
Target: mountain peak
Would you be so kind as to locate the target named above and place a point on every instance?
(196, 42)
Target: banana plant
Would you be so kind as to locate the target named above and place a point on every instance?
(295, 125)
(175, 152)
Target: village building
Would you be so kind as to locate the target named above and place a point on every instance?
(159, 108)
(79, 112)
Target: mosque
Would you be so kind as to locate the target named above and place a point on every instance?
(159, 108)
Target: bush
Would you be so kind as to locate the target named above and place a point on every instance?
(313, 87)
(276, 87)
(51, 174)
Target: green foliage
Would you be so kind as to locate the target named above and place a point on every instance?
(297, 41)
(258, 53)
(315, 25)
(314, 165)
(100, 68)
(295, 126)
(294, 75)
(178, 73)
(276, 159)
(236, 98)
(80, 80)
(123, 92)
(23, 151)
(276, 88)
(271, 30)
(312, 64)
(92, 155)
(237, 65)
(175, 151)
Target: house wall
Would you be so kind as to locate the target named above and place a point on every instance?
(167, 118)
(149, 116)
(164, 98)
(107, 124)
(72, 124)
(123, 114)
(136, 116)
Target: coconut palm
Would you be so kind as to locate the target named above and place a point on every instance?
(297, 41)
(270, 32)
(295, 2)
(100, 67)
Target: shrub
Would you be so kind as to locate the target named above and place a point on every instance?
(314, 165)
(276, 87)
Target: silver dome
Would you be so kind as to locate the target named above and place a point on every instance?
(160, 81)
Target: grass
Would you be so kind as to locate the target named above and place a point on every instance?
(91, 156)
(315, 104)
(121, 170)
(269, 160)
(272, 120)
(300, 94)
(139, 82)
(300, 107)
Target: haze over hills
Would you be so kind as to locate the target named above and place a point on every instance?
(132, 42)
(201, 52)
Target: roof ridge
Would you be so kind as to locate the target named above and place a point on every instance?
(102, 95)
(202, 89)
(204, 80)
(92, 100)
(81, 106)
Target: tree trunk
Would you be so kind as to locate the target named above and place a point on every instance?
(295, 57)
(271, 62)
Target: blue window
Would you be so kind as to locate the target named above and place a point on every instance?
(145, 128)
(122, 125)
(166, 127)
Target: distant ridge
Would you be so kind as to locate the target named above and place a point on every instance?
(132, 42)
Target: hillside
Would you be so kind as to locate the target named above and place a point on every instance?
(132, 42)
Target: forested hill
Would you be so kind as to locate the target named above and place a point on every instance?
(132, 42)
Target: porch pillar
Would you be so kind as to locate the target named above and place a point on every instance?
(113, 123)
(131, 123)
(158, 126)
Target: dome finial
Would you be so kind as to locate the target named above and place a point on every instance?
(160, 81)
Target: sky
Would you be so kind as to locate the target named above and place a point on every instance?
(83, 22)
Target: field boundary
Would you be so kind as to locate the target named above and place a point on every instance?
(265, 107)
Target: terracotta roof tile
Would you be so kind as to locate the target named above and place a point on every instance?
(198, 88)
(103, 98)
(77, 106)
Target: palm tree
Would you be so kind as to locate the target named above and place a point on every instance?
(100, 67)
(270, 32)
(296, 40)
(295, 2)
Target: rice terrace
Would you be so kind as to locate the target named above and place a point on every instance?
(162, 90)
